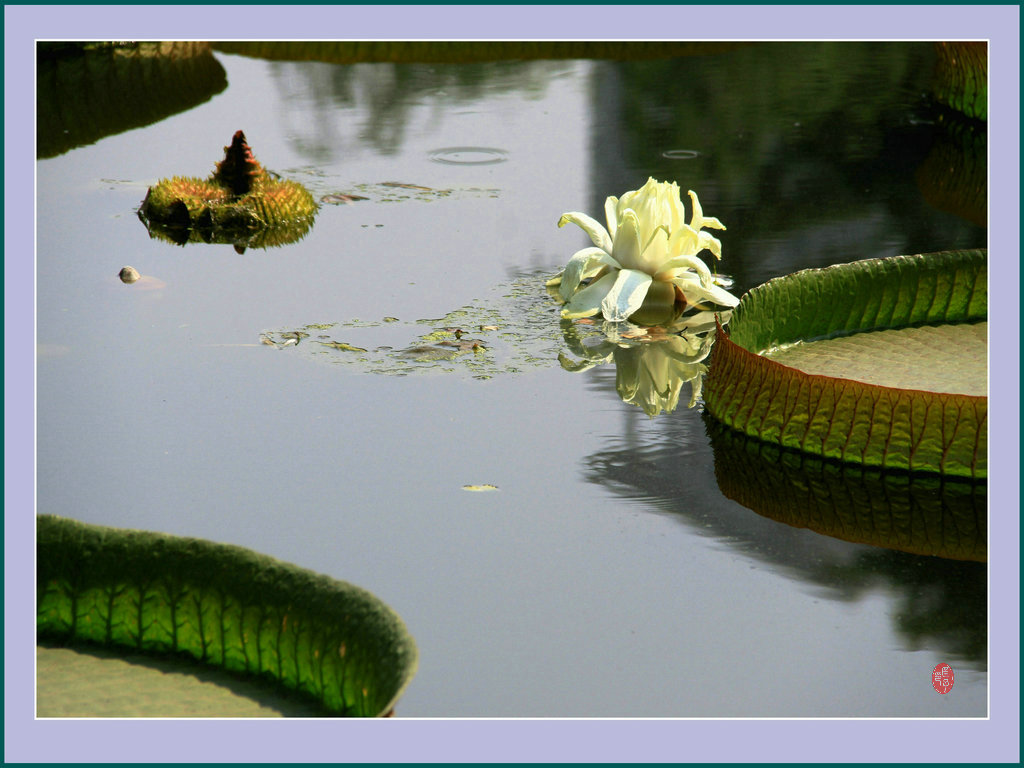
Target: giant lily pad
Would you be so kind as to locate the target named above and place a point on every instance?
(228, 608)
(828, 413)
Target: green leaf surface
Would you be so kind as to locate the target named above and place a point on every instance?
(874, 294)
(843, 418)
(99, 682)
(936, 358)
(224, 606)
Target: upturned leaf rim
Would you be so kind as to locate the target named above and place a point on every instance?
(843, 419)
(225, 606)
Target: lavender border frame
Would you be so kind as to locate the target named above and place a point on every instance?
(994, 739)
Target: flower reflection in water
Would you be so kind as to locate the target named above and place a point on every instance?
(644, 279)
(651, 363)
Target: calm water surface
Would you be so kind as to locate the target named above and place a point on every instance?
(607, 575)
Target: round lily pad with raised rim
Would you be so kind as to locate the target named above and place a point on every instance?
(841, 418)
(328, 642)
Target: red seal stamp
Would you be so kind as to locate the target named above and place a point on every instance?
(942, 678)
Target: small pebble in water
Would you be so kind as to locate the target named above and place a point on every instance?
(128, 275)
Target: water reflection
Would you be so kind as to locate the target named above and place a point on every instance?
(814, 154)
(88, 91)
(808, 151)
(954, 176)
(469, 156)
(462, 52)
(939, 604)
(918, 513)
(321, 100)
(651, 363)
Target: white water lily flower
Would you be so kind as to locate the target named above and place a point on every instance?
(648, 252)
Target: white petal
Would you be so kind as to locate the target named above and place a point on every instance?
(583, 264)
(712, 243)
(697, 294)
(587, 302)
(656, 250)
(626, 296)
(611, 214)
(676, 206)
(627, 248)
(685, 241)
(699, 322)
(688, 262)
(698, 221)
(598, 234)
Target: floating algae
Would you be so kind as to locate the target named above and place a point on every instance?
(511, 331)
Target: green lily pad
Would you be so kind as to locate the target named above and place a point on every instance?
(845, 418)
(99, 682)
(937, 358)
(224, 607)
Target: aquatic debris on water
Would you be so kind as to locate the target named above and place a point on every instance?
(341, 345)
(129, 275)
(510, 331)
(341, 199)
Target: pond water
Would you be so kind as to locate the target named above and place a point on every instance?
(606, 574)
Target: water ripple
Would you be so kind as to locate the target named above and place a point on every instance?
(469, 155)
